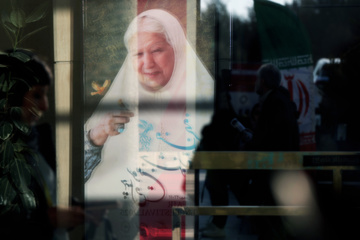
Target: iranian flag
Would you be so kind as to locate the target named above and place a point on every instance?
(285, 43)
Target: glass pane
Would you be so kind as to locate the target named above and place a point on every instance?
(148, 95)
(167, 99)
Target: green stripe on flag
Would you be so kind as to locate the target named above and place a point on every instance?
(284, 40)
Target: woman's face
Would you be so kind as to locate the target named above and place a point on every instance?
(153, 58)
(35, 103)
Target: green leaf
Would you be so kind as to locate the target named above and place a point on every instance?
(8, 33)
(21, 56)
(3, 103)
(20, 157)
(6, 129)
(23, 127)
(11, 83)
(7, 85)
(17, 17)
(20, 173)
(8, 26)
(4, 86)
(31, 33)
(19, 145)
(21, 176)
(2, 78)
(7, 208)
(28, 200)
(16, 117)
(7, 154)
(7, 192)
(38, 13)
(11, 27)
(16, 113)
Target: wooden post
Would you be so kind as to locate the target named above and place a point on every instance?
(63, 25)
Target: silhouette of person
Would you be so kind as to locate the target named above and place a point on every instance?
(28, 180)
(275, 129)
(223, 134)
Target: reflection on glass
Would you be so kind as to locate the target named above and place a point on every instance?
(142, 168)
(160, 126)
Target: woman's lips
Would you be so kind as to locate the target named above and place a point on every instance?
(152, 75)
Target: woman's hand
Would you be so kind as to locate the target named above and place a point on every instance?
(110, 125)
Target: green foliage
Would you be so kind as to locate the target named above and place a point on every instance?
(6, 129)
(7, 155)
(7, 195)
(15, 113)
(15, 21)
(16, 173)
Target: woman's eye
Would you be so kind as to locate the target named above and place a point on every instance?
(157, 50)
(139, 54)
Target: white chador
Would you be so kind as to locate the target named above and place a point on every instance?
(147, 162)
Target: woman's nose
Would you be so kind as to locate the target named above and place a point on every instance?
(43, 104)
(148, 61)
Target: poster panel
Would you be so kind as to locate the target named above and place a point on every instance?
(144, 83)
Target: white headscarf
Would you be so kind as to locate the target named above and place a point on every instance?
(171, 128)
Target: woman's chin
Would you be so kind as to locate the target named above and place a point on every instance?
(151, 86)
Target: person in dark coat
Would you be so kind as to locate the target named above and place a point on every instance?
(223, 134)
(277, 128)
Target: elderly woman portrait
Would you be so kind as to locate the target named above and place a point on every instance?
(141, 137)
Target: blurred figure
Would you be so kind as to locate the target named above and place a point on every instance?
(225, 133)
(28, 182)
(277, 128)
(274, 127)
